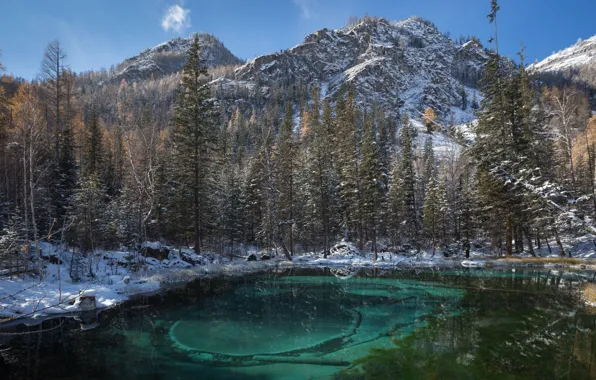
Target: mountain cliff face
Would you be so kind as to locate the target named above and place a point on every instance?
(576, 63)
(401, 66)
(169, 57)
(407, 65)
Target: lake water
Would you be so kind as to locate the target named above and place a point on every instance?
(326, 324)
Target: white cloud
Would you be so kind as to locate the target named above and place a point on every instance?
(306, 8)
(176, 19)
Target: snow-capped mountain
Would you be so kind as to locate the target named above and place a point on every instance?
(169, 57)
(576, 64)
(407, 65)
(581, 54)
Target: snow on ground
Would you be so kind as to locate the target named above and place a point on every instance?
(443, 145)
(113, 281)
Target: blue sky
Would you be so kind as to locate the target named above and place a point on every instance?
(98, 33)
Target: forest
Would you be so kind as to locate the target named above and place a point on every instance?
(93, 165)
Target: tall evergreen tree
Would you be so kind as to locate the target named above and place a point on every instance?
(395, 202)
(194, 141)
(347, 144)
(408, 183)
(286, 178)
(324, 178)
(373, 187)
(94, 154)
(432, 210)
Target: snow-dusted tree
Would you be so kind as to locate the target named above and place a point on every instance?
(286, 179)
(347, 163)
(373, 187)
(324, 178)
(194, 136)
(428, 169)
(432, 214)
(410, 207)
(395, 204)
(568, 109)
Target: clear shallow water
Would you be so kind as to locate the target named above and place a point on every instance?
(462, 324)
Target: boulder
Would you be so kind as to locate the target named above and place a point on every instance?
(251, 257)
(193, 258)
(265, 257)
(86, 300)
(345, 249)
(157, 253)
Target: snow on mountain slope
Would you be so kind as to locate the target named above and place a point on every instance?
(581, 54)
(406, 65)
(169, 57)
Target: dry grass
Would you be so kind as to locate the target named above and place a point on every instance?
(545, 260)
(589, 292)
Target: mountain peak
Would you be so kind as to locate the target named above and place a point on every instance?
(407, 64)
(582, 53)
(169, 57)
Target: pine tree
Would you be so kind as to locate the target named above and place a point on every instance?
(429, 166)
(431, 219)
(68, 173)
(373, 188)
(194, 140)
(255, 203)
(466, 214)
(347, 146)
(324, 180)
(67, 166)
(464, 98)
(395, 202)
(286, 178)
(89, 226)
(408, 184)
(93, 159)
(493, 147)
(230, 200)
(54, 81)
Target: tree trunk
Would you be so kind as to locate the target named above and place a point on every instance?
(529, 240)
(508, 235)
(374, 243)
(285, 251)
(559, 244)
(32, 202)
(550, 251)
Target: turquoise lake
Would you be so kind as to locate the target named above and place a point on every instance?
(329, 324)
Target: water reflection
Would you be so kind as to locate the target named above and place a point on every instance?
(464, 324)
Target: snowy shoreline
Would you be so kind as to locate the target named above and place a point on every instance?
(28, 299)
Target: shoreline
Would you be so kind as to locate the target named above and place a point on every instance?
(164, 280)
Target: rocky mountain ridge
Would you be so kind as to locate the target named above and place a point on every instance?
(573, 65)
(169, 57)
(408, 65)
